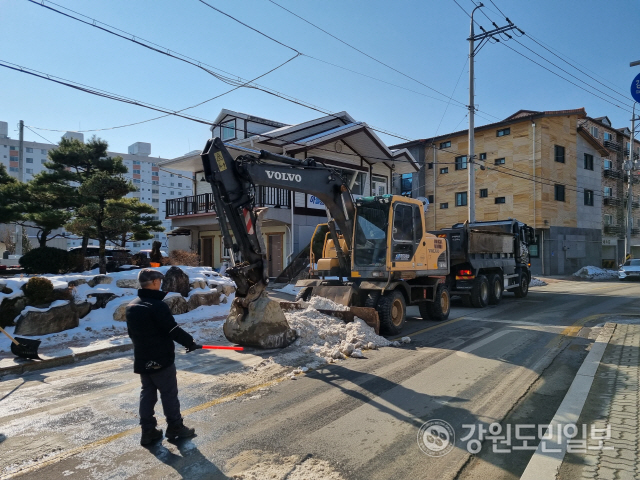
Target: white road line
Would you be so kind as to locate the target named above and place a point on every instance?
(474, 346)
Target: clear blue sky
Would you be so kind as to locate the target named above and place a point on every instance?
(424, 39)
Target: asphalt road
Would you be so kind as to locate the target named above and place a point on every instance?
(357, 419)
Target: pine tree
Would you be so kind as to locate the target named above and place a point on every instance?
(10, 188)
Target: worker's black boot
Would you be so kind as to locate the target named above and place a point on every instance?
(179, 430)
(150, 436)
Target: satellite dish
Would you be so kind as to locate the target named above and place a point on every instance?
(425, 203)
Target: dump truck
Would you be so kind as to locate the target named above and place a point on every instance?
(374, 254)
(487, 259)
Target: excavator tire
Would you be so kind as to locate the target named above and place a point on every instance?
(392, 311)
(372, 299)
(439, 309)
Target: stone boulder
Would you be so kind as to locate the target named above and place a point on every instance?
(77, 282)
(101, 299)
(120, 315)
(128, 283)
(83, 309)
(10, 308)
(177, 304)
(175, 280)
(226, 289)
(199, 284)
(199, 299)
(44, 321)
(100, 280)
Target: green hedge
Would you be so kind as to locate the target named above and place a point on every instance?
(49, 260)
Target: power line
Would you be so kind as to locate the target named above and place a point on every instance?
(49, 141)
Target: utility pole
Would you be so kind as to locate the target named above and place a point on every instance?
(630, 167)
(483, 38)
(20, 177)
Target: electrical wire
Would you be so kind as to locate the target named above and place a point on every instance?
(49, 141)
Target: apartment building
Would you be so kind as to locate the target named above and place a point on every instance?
(349, 147)
(154, 184)
(548, 169)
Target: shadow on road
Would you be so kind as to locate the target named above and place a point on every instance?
(190, 464)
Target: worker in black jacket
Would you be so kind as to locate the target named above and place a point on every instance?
(153, 330)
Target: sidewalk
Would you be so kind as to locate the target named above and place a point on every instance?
(612, 400)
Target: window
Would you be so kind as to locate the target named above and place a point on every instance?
(461, 163)
(443, 206)
(430, 166)
(154, 182)
(608, 219)
(155, 190)
(229, 130)
(608, 191)
(171, 175)
(461, 199)
(482, 156)
(500, 199)
(29, 170)
(559, 193)
(430, 198)
(588, 198)
(559, 153)
(43, 151)
(156, 200)
(594, 131)
(608, 164)
(136, 162)
(588, 161)
(444, 170)
(29, 150)
(13, 169)
(135, 180)
(29, 160)
(499, 161)
(503, 131)
(608, 137)
(43, 161)
(179, 184)
(484, 193)
(445, 144)
(136, 171)
(171, 192)
(173, 184)
(13, 149)
(534, 250)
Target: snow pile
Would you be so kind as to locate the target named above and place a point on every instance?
(329, 338)
(595, 273)
(289, 289)
(322, 303)
(536, 282)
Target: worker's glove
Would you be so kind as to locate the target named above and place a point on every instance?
(192, 347)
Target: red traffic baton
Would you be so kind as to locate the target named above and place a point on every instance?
(219, 347)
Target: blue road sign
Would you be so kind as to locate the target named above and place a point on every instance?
(635, 88)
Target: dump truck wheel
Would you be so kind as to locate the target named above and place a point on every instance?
(496, 289)
(523, 289)
(392, 311)
(304, 294)
(480, 292)
(439, 309)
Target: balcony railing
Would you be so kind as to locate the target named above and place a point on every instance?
(613, 229)
(612, 145)
(203, 203)
(612, 201)
(608, 173)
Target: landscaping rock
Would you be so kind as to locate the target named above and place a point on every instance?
(83, 309)
(77, 282)
(175, 280)
(100, 280)
(51, 320)
(203, 298)
(128, 283)
(222, 287)
(120, 314)
(101, 299)
(10, 308)
(177, 305)
(199, 284)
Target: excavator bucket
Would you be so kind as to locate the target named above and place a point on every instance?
(261, 324)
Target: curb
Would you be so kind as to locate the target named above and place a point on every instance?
(59, 361)
(545, 465)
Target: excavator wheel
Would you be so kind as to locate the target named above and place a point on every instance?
(372, 299)
(392, 310)
(439, 309)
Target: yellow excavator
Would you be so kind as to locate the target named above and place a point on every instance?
(373, 254)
